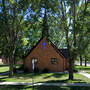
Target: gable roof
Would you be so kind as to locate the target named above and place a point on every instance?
(64, 53)
(61, 52)
(56, 49)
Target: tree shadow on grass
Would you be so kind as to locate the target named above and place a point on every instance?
(62, 78)
(27, 74)
(12, 87)
(47, 75)
(56, 75)
(4, 73)
(23, 75)
(60, 88)
(65, 81)
(42, 87)
(2, 78)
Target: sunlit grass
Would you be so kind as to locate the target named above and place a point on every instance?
(77, 67)
(4, 69)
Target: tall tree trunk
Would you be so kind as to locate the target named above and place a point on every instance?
(12, 53)
(85, 61)
(74, 30)
(71, 63)
(11, 66)
(14, 60)
(71, 58)
(74, 27)
(71, 67)
(11, 58)
(12, 44)
(80, 60)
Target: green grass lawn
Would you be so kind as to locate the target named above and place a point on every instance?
(42, 88)
(4, 69)
(77, 67)
(46, 77)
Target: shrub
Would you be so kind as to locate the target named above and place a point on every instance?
(21, 67)
(26, 70)
(45, 70)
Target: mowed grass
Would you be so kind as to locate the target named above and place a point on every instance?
(4, 69)
(45, 77)
(77, 67)
(15, 87)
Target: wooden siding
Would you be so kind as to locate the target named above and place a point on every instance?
(44, 58)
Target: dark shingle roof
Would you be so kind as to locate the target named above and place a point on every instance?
(64, 53)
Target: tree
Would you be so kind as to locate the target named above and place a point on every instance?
(12, 18)
(70, 24)
(22, 25)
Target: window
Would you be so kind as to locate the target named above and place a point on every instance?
(54, 60)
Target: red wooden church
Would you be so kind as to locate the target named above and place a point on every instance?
(46, 55)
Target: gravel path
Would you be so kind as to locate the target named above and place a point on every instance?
(85, 74)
